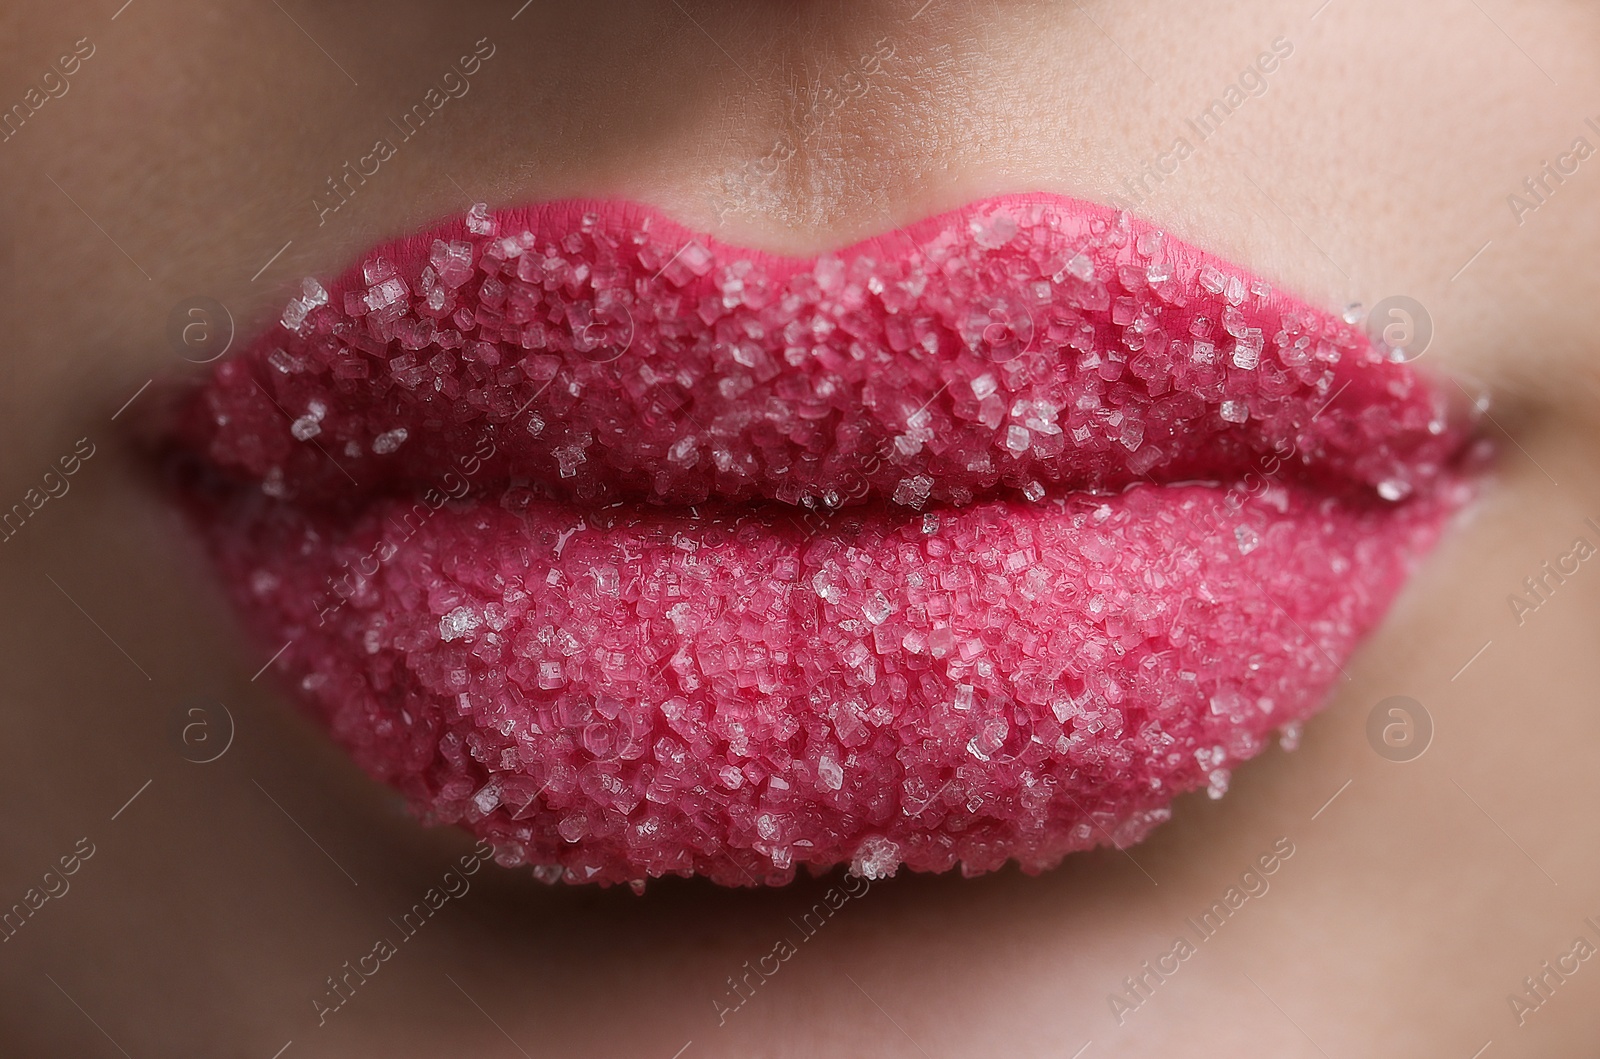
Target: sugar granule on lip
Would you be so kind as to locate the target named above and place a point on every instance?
(636, 649)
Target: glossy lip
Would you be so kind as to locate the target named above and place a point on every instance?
(640, 554)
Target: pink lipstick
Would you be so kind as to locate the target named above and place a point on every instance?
(638, 554)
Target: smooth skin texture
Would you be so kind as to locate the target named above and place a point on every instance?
(190, 148)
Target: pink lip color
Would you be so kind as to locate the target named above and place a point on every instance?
(640, 554)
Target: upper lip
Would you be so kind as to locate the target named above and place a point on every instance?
(647, 368)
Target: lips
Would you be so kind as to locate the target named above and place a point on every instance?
(639, 554)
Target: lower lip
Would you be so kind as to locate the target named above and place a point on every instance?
(621, 693)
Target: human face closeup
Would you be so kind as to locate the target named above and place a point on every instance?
(1212, 693)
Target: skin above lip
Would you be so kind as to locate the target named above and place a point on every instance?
(640, 554)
